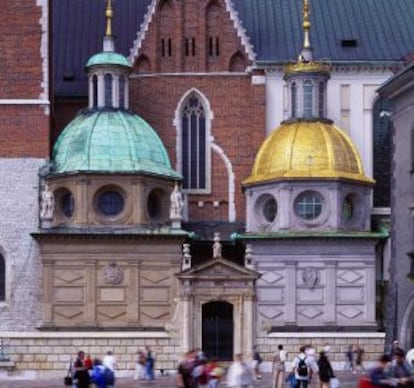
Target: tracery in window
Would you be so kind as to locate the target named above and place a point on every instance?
(382, 152)
(194, 144)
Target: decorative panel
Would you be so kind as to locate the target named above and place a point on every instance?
(112, 295)
(155, 295)
(308, 295)
(69, 294)
(271, 294)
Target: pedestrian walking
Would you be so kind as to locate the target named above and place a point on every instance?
(81, 377)
(140, 366)
(359, 353)
(257, 360)
(185, 371)
(302, 369)
(349, 359)
(239, 374)
(278, 368)
(149, 364)
(325, 370)
(109, 362)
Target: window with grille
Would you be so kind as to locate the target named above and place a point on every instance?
(194, 145)
(307, 99)
(382, 152)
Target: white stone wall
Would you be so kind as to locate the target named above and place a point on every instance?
(19, 217)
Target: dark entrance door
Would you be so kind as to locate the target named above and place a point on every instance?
(217, 328)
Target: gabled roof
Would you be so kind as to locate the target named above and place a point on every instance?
(381, 29)
(219, 269)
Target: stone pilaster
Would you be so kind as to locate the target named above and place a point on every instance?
(47, 292)
(290, 293)
(330, 293)
(90, 293)
(133, 293)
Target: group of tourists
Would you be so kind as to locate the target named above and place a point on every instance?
(195, 371)
(144, 366)
(84, 371)
(304, 367)
(392, 370)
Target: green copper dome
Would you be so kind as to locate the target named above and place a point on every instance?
(107, 58)
(110, 141)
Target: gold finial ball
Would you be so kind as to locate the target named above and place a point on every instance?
(108, 13)
(306, 24)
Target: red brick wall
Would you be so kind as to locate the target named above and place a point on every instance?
(24, 132)
(20, 60)
(186, 24)
(237, 128)
(24, 129)
(238, 107)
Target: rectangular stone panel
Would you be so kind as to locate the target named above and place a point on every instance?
(112, 295)
(155, 295)
(68, 294)
(310, 295)
(270, 294)
(350, 294)
(68, 276)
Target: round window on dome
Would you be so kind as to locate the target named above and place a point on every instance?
(266, 207)
(270, 209)
(110, 203)
(308, 205)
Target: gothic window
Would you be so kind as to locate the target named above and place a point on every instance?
(382, 152)
(194, 145)
(2, 279)
(294, 99)
(108, 90)
(307, 98)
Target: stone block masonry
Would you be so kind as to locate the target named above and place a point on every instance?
(42, 354)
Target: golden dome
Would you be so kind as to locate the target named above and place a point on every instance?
(307, 150)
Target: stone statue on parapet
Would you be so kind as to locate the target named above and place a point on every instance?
(217, 246)
(47, 204)
(176, 204)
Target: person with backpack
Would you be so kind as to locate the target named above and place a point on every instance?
(325, 371)
(302, 369)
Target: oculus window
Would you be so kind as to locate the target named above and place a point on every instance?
(308, 205)
(110, 203)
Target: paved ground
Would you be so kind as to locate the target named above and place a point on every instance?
(346, 378)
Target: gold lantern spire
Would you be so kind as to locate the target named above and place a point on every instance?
(109, 14)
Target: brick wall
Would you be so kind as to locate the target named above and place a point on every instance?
(237, 127)
(20, 59)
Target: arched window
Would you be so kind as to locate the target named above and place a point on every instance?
(382, 152)
(321, 102)
(294, 99)
(108, 90)
(2, 279)
(95, 90)
(122, 92)
(307, 99)
(194, 144)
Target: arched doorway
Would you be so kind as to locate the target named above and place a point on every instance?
(217, 330)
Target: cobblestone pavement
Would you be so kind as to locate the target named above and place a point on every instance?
(346, 378)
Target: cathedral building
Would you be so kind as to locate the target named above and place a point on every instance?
(210, 174)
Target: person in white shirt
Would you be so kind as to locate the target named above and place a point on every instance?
(279, 367)
(110, 363)
(302, 368)
(239, 374)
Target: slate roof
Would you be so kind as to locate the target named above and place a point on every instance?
(383, 30)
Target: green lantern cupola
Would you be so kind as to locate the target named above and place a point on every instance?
(108, 73)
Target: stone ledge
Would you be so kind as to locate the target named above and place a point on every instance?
(9, 365)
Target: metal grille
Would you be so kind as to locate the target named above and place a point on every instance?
(5, 349)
